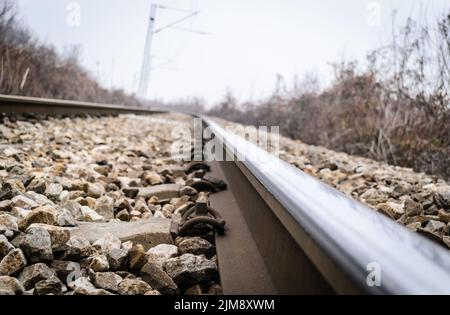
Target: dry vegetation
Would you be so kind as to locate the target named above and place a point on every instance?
(394, 109)
(30, 68)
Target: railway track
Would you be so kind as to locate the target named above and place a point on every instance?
(287, 233)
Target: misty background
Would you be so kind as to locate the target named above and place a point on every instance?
(250, 41)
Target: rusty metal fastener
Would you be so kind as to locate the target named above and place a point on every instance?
(201, 213)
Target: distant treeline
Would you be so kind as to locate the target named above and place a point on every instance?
(30, 68)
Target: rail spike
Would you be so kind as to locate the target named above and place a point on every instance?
(201, 213)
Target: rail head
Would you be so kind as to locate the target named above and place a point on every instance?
(351, 234)
(22, 104)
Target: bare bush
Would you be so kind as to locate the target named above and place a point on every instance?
(395, 109)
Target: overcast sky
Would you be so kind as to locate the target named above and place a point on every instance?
(250, 41)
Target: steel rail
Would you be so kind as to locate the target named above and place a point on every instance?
(340, 237)
(290, 233)
(21, 104)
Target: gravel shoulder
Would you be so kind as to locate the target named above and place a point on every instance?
(109, 175)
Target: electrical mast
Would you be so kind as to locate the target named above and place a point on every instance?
(147, 60)
(146, 63)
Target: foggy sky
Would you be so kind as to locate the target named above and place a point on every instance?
(251, 41)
